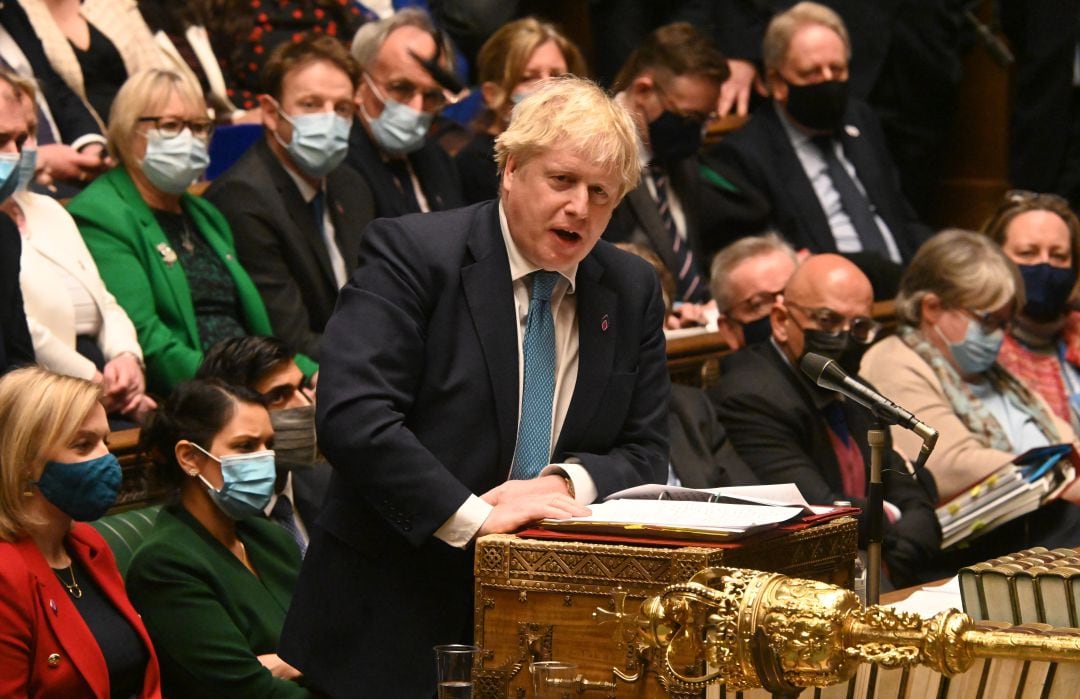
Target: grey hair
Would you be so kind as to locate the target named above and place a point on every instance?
(782, 27)
(735, 254)
(370, 37)
(962, 268)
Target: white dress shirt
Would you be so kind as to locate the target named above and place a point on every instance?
(817, 171)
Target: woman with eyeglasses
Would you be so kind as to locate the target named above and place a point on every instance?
(510, 63)
(67, 628)
(167, 256)
(1041, 234)
(956, 301)
(214, 577)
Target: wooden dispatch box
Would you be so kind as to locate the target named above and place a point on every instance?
(535, 599)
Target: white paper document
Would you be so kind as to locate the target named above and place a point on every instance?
(688, 514)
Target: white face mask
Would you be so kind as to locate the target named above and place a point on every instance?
(400, 129)
(172, 164)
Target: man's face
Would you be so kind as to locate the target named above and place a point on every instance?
(816, 54)
(754, 285)
(397, 75)
(837, 293)
(13, 131)
(557, 206)
(319, 86)
(692, 96)
(282, 387)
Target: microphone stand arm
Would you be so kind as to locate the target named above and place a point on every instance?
(875, 506)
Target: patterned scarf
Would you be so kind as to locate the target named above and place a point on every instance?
(970, 409)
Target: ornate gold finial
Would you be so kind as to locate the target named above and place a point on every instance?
(744, 628)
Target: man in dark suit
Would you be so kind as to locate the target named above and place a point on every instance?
(434, 353)
(265, 365)
(16, 348)
(296, 212)
(789, 430)
(819, 157)
(401, 58)
(670, 84)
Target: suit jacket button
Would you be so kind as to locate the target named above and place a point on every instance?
(53, 660)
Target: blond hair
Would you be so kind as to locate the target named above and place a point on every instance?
(573, 113)
(39, 411)
(144, 94)
(506, 53)
(774, 47)
(965, 270)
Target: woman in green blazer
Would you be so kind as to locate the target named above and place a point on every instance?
(214, 578)
(168, 257)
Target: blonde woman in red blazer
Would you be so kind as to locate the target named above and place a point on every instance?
(67, 628)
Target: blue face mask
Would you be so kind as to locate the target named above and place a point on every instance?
(978, 351)
(319, 142)
(247, 482)
(27, 167)
(84, 490)
(1047, 289)
(400, 129)
(9, 174)
(172, 164)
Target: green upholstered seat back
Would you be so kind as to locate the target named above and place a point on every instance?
(124, 531)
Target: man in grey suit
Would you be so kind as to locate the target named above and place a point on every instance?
(295, 210)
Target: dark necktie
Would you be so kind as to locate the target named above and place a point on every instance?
(852, 199)
(403, 181)
(848, 455)
(688, 284)
(283, 514)
(318, 212)
(538, 387)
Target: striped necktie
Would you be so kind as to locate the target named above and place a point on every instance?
(687, 280)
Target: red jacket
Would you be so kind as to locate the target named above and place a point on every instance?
(46, 649)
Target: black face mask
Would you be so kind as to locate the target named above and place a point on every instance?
(757, 331)
(1047, 289)
(839, 347)
(820, 106)
(674, 137)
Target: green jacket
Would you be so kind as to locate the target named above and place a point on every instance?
(207, 615)
(138, 268)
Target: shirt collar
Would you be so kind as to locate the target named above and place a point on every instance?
(520, 266)
(306, 190)
(286, 491)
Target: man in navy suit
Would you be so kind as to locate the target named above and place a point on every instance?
(431, 357)
(819, 157)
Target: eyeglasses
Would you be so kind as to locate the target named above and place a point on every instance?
(863, 329)
(405, 92)
(668, 105)
(754, 306)
(989, 322)
(171, 127)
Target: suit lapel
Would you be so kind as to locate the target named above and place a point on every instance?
(299, 213)
(809, 216)
(345, 233)
(597, 308)
(64, 619)
(489, 292)
(159, 251)
(365, 158)
(644, 208)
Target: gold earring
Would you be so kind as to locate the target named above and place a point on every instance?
(28, 489)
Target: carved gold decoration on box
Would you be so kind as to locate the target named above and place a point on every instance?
(744, 628)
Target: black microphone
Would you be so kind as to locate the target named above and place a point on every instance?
(827, 373)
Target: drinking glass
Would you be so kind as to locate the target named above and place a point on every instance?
(454, 664)
(553, 679)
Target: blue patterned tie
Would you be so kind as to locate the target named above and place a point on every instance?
(282, 513)
(538, 346)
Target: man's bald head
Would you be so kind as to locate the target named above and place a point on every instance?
(828, 282)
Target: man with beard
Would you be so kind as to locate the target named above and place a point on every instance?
(789, 430)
